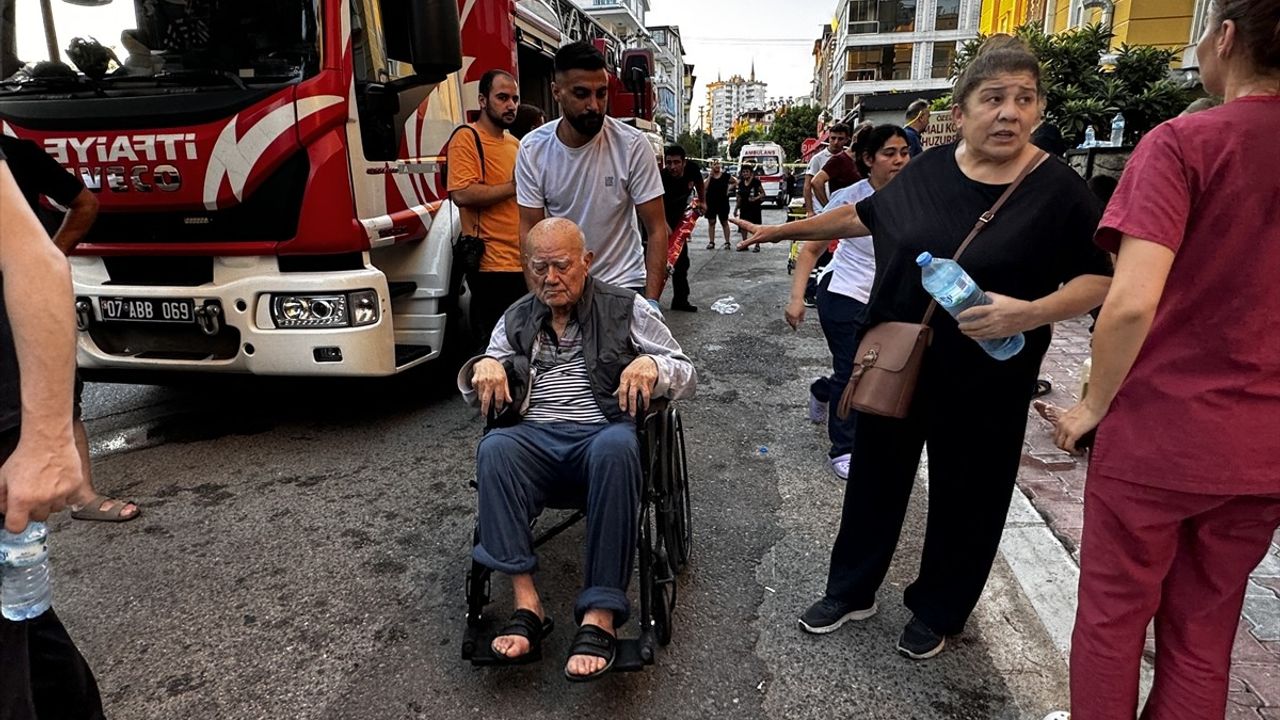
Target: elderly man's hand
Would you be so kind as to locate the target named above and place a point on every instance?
(637, 383)
(489, 378)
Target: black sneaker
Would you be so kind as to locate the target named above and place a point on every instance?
(684, 307)
(918, 642)
(828, 614)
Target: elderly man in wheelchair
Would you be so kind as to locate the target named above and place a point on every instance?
(567, 369)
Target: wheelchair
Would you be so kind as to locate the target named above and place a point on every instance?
(664, 546)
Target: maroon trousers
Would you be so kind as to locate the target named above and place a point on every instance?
(1181, 558)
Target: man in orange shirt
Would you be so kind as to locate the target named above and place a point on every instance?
(482, 166)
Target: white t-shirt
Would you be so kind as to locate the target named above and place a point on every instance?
(598, 186)
(815, 166)
(853, 265)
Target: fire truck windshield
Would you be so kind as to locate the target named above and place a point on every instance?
(124, 44)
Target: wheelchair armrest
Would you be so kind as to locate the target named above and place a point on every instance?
(657, 406)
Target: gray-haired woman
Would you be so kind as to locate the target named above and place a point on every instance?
(1037, 262)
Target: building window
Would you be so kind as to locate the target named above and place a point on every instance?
(944, 57)
(879, 62)
(947, 15)
(660, 37)
(881, 16)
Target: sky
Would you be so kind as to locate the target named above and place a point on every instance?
(722, 37)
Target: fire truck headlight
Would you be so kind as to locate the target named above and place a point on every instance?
(309, 311)
(364, 307)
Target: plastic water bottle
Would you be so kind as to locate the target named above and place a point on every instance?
(954, 290)
(1117, 130)
(25, 591)
(1090, 138)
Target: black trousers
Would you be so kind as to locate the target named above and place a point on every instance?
(491, 294)
(42, 674)
(680, 278)
(972, 414)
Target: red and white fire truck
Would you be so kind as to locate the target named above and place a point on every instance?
(269, 174)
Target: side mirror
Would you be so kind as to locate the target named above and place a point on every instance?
(426, 34)
(637, 67)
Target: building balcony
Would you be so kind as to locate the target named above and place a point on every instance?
(614, 13)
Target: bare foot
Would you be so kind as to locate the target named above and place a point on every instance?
(106, 506)
(513, 646)
(1052, 413)
(586, 664)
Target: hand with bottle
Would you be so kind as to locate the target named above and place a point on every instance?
(1005, 316)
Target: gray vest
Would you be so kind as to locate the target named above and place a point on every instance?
(604, 316)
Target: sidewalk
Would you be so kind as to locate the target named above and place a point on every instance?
(1054, 481)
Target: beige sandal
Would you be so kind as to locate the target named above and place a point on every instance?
(92, 510)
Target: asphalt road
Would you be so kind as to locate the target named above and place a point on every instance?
(303, 544)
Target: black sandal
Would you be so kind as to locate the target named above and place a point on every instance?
(594, 641)
(525, 624)
(1043, 387)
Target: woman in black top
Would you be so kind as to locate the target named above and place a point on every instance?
(750, 200)
(718, 186)
(1037, 262)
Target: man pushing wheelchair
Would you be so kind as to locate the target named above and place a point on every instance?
(567, 369)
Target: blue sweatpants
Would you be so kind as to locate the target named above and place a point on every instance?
(525, 468)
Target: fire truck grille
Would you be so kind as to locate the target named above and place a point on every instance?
(269, 213)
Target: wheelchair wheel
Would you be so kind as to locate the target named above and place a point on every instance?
(676, 517)
(658, 578)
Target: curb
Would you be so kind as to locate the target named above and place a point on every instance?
(1049, 578)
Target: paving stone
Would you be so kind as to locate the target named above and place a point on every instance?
(1270, 565)
(1263, 681)
(1264, 614)
(1240, 712)
(1245, 698)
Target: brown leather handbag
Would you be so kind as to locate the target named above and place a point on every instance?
(887, 365)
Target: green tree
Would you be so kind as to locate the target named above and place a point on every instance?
(698, 144)
(1079, 92)
(752, 135)
(791, 127)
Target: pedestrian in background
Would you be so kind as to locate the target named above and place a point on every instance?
(482, 167)
(750, 205)
(1038, 264)
(917, 123)
(838, 137)
(42, 674)
(39, 175)
(1183, 496)
(681, 178)
(844, 286)
(528, 118)
(719, 185)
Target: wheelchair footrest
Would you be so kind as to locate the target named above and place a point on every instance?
(477, 648)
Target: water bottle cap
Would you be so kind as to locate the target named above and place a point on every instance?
(924, 259)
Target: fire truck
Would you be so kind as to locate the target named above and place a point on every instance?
(269, 172)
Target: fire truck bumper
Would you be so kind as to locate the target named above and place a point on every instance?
(250, 319)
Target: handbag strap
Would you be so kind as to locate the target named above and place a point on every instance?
(985, 218)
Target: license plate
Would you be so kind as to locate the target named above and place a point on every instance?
(166, 310)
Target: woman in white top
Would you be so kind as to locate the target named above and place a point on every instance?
(845, 284)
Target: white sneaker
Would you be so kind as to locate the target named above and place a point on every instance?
(817, 410)
(840, 465)
(1058, 715)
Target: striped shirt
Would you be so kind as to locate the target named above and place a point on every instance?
(560, 390)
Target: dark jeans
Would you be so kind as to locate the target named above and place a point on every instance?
(523, 469)
(680, 278)
(42, 674)
(843, 320)
(973, 420)
(491, 294)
